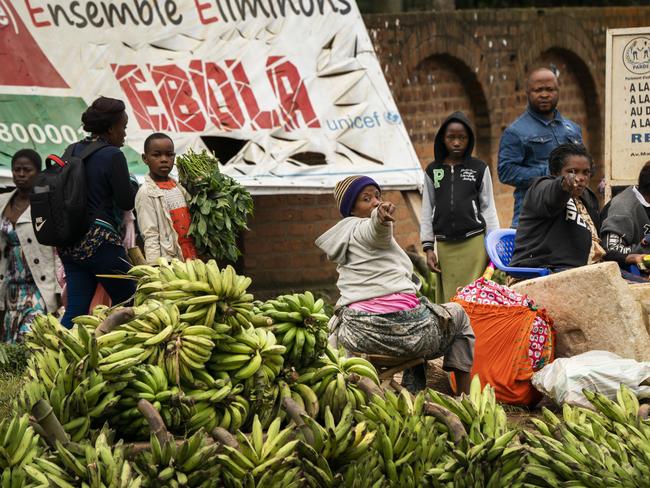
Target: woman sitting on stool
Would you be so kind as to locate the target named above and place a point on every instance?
(378, 311)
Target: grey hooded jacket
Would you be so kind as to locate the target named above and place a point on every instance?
(369, 261)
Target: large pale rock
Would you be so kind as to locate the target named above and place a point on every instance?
(594, 308)
(642, 295)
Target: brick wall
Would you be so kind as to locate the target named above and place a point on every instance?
(429, 95)
(279, 250)
(436, 63)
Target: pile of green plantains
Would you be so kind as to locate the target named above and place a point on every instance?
(198, 384)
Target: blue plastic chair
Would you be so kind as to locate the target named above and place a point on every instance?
(500, 245)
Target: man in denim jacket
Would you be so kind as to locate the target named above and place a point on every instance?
(527, 142)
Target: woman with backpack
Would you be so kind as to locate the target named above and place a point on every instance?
(110, 191)
(28, 286)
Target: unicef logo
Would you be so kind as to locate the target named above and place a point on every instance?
(636, 55)
(392, 118)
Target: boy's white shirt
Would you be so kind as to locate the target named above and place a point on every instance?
(155, 222)
(370, 262)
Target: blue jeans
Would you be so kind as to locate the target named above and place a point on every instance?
(81, 280)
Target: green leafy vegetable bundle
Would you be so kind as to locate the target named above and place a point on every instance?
(219, 206)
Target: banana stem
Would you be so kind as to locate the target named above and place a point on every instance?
(135, 256)
(134, 448)
(37, 427)
(296, 412)
(292, 376)
(644, 411)
(222, 436)
(219, 435)
(389, 373)
(115, 319)
(366, 385)
(447, 417)
(155, 421)
(398, 388)
(49, 423)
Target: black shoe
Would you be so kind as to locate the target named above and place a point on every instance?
(415, 379)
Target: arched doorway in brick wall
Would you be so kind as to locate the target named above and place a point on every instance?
(439, 85)
(578, 99)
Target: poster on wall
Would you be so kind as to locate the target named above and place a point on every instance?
(289, 94)
(627, 120)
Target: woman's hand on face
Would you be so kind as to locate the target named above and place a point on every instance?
(432, 261)
(385, 212)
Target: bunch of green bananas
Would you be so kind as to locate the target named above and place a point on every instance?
(17, 477)
(19, 447)
(410, 443)
(77, 376)
(92, 320)
(269, 405)
(211, 389)
(328, 379)
(79, 395)
(284, 476)
(487, 456)
(192, 463)
(316, 470)
(247, 353)
(299, 324)
(368, 472)
(158, 335)
(42, 334)
(340, 443)
(206, 294)
(303, 395)
(492, 463)
(45, 472)
(77, 404)
(150, 383)
(608, 447)
(478, 411)
(78, 344)
(230, 412)
(98, 464)
(253, 359)
(258, 459)
(82, 349)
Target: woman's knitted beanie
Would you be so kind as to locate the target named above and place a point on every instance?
(347, 190)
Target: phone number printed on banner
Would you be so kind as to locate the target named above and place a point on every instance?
(10, 132)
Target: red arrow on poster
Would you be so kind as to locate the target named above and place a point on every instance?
(23, 61)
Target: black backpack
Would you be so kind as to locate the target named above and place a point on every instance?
(58, 198)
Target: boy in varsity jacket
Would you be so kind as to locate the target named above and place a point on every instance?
(457, 208)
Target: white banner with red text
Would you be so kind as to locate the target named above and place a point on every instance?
(289, 94)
